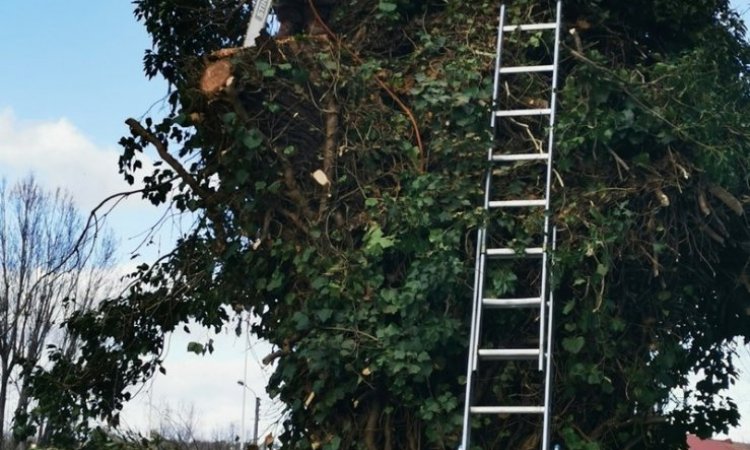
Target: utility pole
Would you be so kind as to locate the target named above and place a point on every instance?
(257, 418)
(245, 388)
(243, 383)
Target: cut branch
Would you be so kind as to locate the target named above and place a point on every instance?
(727, 198)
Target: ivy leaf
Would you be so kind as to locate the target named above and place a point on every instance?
(573, 344)
(252, 139)
(301, 321)
(324, 314)
(375, 241)
(196, 348)
(386, 6)
(334, 444)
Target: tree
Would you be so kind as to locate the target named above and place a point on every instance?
(47, 272)
(179, 426)
(337, 179)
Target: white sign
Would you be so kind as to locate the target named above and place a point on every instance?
(257, 21)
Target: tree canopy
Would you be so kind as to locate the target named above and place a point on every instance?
(48, 270)
(337, 179)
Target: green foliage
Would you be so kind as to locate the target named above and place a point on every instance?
(363, 282)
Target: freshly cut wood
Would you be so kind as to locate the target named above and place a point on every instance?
(321, 178)
(663, 199)
(225, 52)
(216, 76)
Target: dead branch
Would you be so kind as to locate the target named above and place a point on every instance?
(286, 348)
(703, 204)
(727, 198)
(620, 162)
(329, 148)
(294, 193)
(712, 234)
(383, 85)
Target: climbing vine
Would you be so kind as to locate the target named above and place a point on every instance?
(337, 179)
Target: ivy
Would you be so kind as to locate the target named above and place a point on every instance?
(362, 280)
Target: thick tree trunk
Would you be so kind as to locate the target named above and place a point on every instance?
(371, 427)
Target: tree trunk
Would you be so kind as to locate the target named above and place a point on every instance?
(3, 401)
(22, 407)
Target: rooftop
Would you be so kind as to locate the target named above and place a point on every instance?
(695, 443)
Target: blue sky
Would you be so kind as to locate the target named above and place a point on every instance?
(71, 74)
(77, 59)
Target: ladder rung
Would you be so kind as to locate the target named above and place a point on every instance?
(521, 157)
(516, 203)
(512, 302)
(507, 409)
(508, 353)
(512, 253)
(530, 27)
(528, 69)
(523, 112)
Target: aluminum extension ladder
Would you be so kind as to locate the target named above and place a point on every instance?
(540, 305)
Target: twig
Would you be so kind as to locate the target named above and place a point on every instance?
(161, 148)
(381, 83)
(620, 162)
(711, 233)
(638, 101)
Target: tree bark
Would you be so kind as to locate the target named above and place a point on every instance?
(3, 401)
(371, 426)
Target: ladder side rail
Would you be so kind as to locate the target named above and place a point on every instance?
(478, 294)
(552, 117)
(475, 303)
(546, 426)
(548, 380)
(548, 186)
(542, 307)
(480, 260)
(476, 320)
(472, 344)
(479, 271)
(478, 299)
(482, 245)
(498, 61)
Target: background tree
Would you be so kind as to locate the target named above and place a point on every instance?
(337, 180)
(47, 272)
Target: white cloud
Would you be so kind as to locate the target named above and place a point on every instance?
(59, 155)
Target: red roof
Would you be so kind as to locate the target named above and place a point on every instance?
(696, 443)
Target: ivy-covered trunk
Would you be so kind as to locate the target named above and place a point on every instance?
(338, 178)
